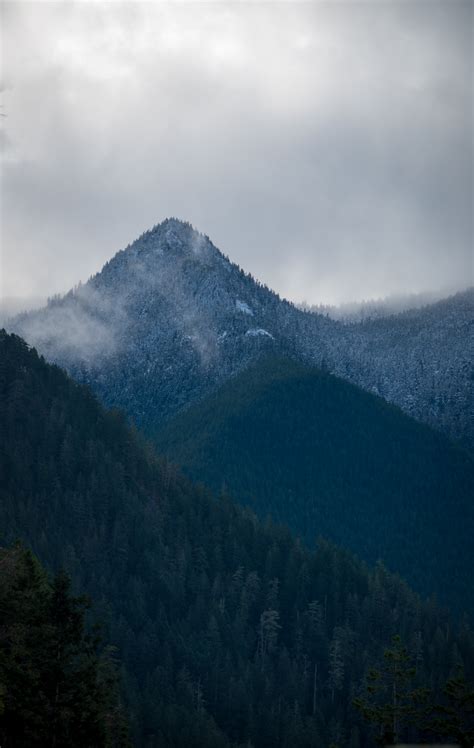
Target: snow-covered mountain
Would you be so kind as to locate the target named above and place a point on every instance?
(422, 360)
(170, 318)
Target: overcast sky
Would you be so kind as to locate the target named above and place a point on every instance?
(324, 146)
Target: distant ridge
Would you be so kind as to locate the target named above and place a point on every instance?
(370, 309)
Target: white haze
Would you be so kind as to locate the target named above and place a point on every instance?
(356, 311)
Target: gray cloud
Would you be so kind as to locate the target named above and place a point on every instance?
(326, 147)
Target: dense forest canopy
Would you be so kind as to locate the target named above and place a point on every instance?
(230, 632)
(325, 457)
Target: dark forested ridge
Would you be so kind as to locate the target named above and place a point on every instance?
(170, 318)
(230, 632)
(55, 687)
(323, 456)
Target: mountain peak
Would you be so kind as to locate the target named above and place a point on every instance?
(170, 317)
(173, 225)
(173, 236)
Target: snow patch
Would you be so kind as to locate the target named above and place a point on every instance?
(259, 331)
(243, 307)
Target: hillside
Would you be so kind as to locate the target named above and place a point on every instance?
(170, 318)
(325, 457)
(422, 360)
(230, 633)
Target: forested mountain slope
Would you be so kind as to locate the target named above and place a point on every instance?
(170, 318)
(231, 633)
(422, 360)
(326, 457)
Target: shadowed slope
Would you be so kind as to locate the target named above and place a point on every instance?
(326, 457)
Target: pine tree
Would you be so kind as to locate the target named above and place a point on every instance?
(392, 702)
(53, 690)
(336, 663)
(455, 718)
(268, 633)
